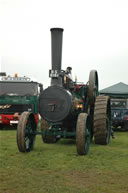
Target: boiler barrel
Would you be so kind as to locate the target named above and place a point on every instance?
(55, 104)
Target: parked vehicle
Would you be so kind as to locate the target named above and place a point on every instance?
(17, 94)
(119, 109)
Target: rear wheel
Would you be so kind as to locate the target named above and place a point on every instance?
(93, 86)
(82, 134)
(25, 132)
(102, 120)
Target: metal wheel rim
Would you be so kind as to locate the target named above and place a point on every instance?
(83, 148)
(87, 143)
(26, 132)
(93, 86)
(29, 136)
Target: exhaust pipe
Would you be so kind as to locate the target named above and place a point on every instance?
(56, 51)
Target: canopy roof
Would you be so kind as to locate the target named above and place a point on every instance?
(117, 90)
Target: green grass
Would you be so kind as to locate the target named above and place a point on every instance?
(56, 168)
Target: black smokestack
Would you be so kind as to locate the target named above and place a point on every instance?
(56, 49)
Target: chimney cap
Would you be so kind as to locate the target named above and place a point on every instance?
(57, 28)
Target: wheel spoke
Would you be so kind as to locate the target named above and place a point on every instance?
(26, 138)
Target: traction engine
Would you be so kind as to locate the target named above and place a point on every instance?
(68, 109)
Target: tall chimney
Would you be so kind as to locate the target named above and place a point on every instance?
(56, 50)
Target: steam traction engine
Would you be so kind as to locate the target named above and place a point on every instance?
(68, 109)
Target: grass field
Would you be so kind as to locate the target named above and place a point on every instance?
(56, 168)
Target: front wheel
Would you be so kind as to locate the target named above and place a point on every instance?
(25, 132)
(82, 134)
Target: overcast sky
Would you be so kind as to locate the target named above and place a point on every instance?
(95, 37)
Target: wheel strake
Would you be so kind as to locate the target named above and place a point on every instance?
(102, 120)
